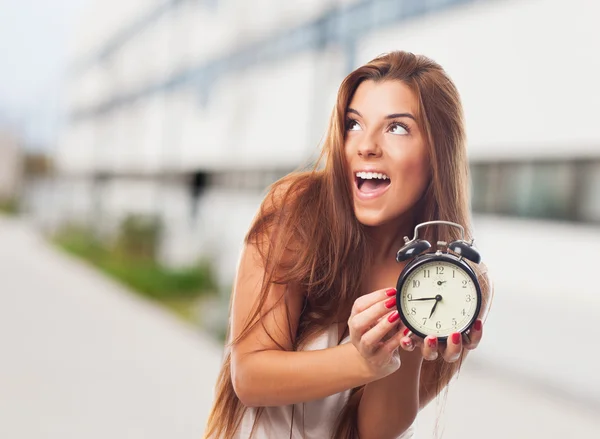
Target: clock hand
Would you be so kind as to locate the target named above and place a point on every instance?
(439, 282)
(433, 309)
(438, 298)
(422, 298)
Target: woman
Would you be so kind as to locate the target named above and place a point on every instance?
(316, 347)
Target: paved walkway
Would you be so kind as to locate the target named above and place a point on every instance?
(83, 358)
(80, 357)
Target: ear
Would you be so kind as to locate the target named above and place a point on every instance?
(412, 249)
(465, 250)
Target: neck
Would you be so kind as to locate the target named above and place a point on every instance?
(386, 239)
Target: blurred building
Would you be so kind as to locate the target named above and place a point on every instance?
(188, 109)
(11, 166)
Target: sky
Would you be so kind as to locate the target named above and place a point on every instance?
(34, 47)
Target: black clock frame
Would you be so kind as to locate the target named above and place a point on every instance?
(427, 258)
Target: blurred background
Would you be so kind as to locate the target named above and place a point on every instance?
(138, 137)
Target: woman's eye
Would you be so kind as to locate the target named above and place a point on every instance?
(396, 128)
(352, 125)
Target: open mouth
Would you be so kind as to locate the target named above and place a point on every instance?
(371, 184)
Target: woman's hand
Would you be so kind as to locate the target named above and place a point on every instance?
(451, 350)
(374, 331)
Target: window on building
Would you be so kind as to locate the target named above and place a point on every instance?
(557, 189)
(590, 192)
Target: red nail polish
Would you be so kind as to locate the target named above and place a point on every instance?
(393, 317)
(406, 331)
(407, 343)
(390, 302)
(432, 342)
(456, 338)
(478, 325)
(391, 292)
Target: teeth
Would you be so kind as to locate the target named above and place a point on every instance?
(371, 175)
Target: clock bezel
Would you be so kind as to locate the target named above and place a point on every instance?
(428, 258)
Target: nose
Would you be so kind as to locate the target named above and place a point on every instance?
(369, 148)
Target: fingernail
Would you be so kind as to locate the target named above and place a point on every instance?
(391, 292)
(456, 338)
(390, 302)
(407, 343)
(406, 331)
(393, 317)
(477, 325)
(432, 342)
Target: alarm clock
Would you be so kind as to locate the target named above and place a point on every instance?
(437, 292)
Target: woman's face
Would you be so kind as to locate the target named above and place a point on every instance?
(386, 152)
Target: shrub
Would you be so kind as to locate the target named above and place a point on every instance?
(131, 260)
(9, 206)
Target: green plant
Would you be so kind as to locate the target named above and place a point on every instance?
(139, 237)
(9, 206)
(131, 261)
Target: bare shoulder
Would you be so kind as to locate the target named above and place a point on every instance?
(267, 301)
(289, 190)
(275, 223)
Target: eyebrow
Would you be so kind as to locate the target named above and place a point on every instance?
(389, 116)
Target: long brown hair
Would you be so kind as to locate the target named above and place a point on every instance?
(308, 235)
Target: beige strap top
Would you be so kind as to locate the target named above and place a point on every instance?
(311, 420)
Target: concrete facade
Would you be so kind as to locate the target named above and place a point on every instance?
(11, 166)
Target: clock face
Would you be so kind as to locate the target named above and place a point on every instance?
(438, 298)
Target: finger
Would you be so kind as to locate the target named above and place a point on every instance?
(429, 348)
(393, 342)
(368, 300)
(372, 338)
(453, 348)
(372, 316)
(408, 343)
(474, 336)
(393, 331)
